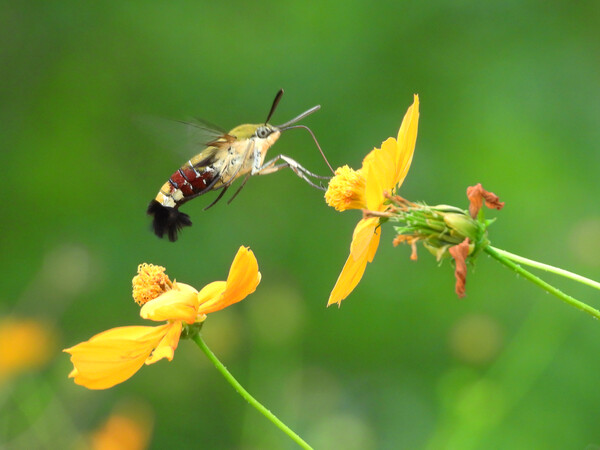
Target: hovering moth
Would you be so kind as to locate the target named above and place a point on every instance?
(227, 156)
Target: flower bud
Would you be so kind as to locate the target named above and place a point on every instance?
(462, 225)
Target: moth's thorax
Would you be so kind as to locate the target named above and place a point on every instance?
(244, 131)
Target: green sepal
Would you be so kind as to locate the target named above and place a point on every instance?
(189, 331)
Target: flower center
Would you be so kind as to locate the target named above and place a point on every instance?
(346, 190)
(150, 282)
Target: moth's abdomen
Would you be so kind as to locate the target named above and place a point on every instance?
(192, 181)
(167, 220)
(185, 183)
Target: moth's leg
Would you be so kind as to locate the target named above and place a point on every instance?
(223, 190)
(232, 178)
(240, 188)
(271, 167)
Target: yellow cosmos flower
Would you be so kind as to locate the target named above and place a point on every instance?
(346, 189)
(25, 344)
(383, 169)
(115, 355)
(128, 427)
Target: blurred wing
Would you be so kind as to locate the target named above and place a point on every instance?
(185, 138)
(203, 133)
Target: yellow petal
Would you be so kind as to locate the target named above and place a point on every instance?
(357, 261)
(166, 347)
(407, 138)
(179, 303)
(380, 174)
(242, 281)
(373, 245)
(387, 162)
(363, 234)
(368, 159)
(113, 356)
(210, 292)
(351, 274)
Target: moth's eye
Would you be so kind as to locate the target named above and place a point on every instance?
(263, 132)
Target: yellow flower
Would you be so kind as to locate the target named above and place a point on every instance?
(25, 344)
(346, 189)
(128, 427)
(383, 169)
(115, 355)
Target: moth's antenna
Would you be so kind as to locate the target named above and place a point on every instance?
(285, 126)
(274, 106)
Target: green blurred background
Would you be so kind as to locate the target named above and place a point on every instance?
(510, 97)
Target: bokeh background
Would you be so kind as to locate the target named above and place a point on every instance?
(510, 97)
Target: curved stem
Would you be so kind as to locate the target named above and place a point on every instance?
(548, 268)
(494, 253)
(245, 394)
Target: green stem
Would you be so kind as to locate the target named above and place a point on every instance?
(498, 255)
(548, 268)
(245, 394)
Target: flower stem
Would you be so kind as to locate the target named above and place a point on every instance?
(548, 268)
(245, 394)
(500, 256)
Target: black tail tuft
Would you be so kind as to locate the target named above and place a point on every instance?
(167, 220)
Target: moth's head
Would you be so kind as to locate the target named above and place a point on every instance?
(263, 132)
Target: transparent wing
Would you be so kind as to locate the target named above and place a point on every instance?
(185, 138)
(201, 132)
